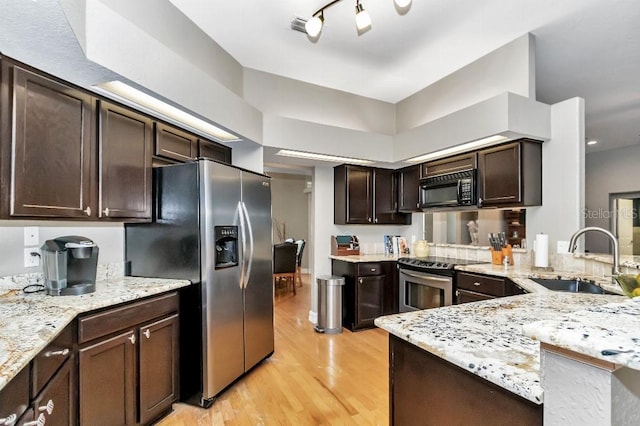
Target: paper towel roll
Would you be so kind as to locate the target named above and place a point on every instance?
(541, 249)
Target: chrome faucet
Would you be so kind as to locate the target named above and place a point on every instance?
(616, 246)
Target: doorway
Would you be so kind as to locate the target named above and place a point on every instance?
(625, 221)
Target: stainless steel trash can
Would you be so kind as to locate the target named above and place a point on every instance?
(329, 304)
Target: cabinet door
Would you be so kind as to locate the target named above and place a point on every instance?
(409, 189)
(125, 163)
(57, 401)
(51, 174)
(175, 144)
(385, 196)
(214, 151)
(158, 360)
(499, 175)
(107, 384)
(359, 195)
(369, 295)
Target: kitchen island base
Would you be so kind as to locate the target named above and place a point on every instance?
(427, 390)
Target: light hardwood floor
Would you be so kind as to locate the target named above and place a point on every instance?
(311, 379)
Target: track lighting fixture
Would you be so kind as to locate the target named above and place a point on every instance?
(313, 27)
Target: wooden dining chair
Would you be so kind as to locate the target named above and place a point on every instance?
(285, 263)
(300, 249)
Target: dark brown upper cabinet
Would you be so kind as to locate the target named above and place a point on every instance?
(409, 189)
(453, 164)
(175, 144)
(510, 175)
(364, 195)
(353, 193)
(47, 171)
(125, 143)
(215, 151)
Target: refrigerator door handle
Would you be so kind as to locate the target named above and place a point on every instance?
(247, 274)
(244, 244)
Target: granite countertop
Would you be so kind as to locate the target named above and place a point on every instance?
(29, 322)
(486, 338)
(366, 258)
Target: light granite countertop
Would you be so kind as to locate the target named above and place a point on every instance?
(486, 338)
(366, 258)
(499, 339)
(29, 322)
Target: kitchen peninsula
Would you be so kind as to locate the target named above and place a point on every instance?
(478, 362)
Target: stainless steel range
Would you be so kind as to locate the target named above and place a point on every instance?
(427, 282)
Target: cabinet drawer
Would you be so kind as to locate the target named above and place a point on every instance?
(14, 397)
(464, 296)
(369, 268)
(113, 320)
(481, 284)
(47, 362)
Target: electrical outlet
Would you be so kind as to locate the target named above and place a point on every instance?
(31, 235)
(31, 257)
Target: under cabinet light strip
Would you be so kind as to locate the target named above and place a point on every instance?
(322, 157)
(460, 148)
(129, 94)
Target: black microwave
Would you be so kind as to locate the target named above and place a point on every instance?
(449, 190)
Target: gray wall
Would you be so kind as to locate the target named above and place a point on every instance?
(109, 238)
(608, 172)
(290, 204)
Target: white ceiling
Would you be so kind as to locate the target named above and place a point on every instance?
(586, 48)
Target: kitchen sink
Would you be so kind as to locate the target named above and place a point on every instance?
(571, 286)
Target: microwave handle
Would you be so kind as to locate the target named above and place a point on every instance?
(459, 196)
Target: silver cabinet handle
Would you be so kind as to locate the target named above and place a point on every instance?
(360, 280)
(48, 408)
(132, 338)
(106, 211)
(147, 333)
(375, 220)
(417, 205)
(10, 420)
(480, 201)
(369, 219)
(60, 352)
(87, 211)
(40, 421)
(477, 284)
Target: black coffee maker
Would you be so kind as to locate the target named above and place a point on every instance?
(69, 265)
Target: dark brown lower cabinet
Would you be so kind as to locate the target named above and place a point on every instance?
(427, 390)
(158, 372)
(107, 381)
(370, 290)
(128, 362)
(57, 400)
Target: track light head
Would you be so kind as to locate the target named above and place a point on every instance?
(314, 25)
(363, 20)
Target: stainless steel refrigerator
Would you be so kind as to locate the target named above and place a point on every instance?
(211, 225)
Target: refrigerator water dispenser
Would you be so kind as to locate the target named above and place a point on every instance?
(226, 246)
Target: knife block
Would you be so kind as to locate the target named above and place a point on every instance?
(497, 256)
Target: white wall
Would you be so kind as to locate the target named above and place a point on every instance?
(561, 213)
(608, 172)
(279, 96)
(510, 68)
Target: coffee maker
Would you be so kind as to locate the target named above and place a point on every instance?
(69, 265)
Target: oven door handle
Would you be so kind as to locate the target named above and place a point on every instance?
(428, 277)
